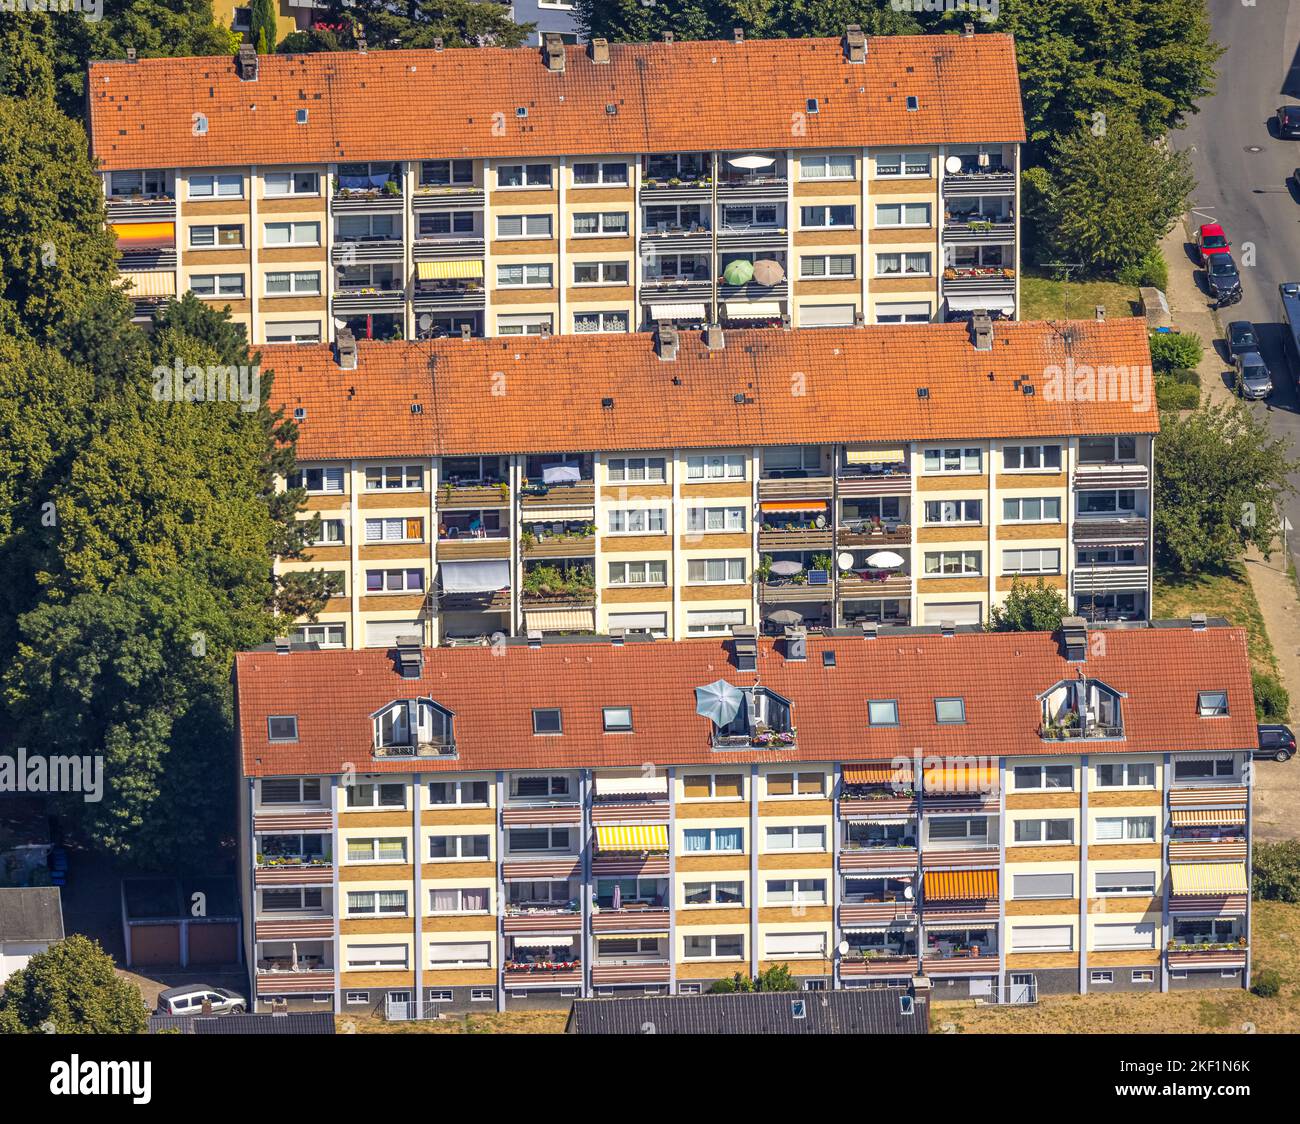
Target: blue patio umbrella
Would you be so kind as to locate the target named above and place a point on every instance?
(719, 701)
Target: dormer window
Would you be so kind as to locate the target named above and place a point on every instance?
(764, 718)
(413, 728)
(1212, 704)
(1081, 708)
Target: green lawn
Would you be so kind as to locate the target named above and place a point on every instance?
(1226, 594)
(1042, 298)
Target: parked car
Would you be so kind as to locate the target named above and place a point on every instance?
(188, 1000)
(1210, 240)
(1276, 742)
(1242, 337)
(1288, 121)
(1221, 276)
(1253, 378)
(57, 861)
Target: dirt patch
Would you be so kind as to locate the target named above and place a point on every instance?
(505, 1022)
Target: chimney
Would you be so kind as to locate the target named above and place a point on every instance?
(738, 34)
(1099, 312)
(437, 42)
(130, 54)
(599, 49)
(666, 342)
(346, 346)
(465, 332)
(744, 641)
(410, 656)
(785, 321)
(534, 637)
(361, 43)
(282, 645)
(870, 630)
(968, 31)
(1074, 638)
(1199, 622)
(947, 628)
(616, 637)
(981, 330)
(714, 340)
(246, 63)
(553, 52)
(796, 642)
(668, 36)
(855, 43)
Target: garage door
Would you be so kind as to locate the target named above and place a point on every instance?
(384, 634)
(155, 944)
(959, 612)
(214, 943)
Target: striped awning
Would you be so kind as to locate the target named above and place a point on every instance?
(879, 773)
(133, 236)
(449, 270)
(794, 505)
(961, 778)
(960, 885)
(561, 620)
(635, 838)
(677, 312)
(867, 454)
(556, 940)
(150, 283)
(752, 310)
(1208, 878)
(1207, 817)
(634, 785)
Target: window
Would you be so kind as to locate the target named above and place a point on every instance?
(952, 460)
(1031, 458)
(829, 265)
(459, 846)
(290, 790)
(600, 273)
(612, 224)
(950, 562)
(446, 173)
(546, 785)
(435, 223)
(902, 214)
(636, 470)
(902, 164)
(958, 829)
(149, 183)
(376, 850)
(797, 838)
(1113, 829)
(395, 581)
(1204, 769)
(217, 284)
(225, 237)
(653, 572)
(954, 511)
(833, 166)
(1108, 556)
(293, 331)
(716, 466)
(373, 903)
(1042, 776)
(882, 712)
(395, 529)
(376, 795)
(724, 839)
(1125, 774)
(636, 521)
(523, 226)
(1042, 938)
(525, 324)
(796, 784)
(459, 899)
(589, 173)
(1122, 501)
(1101, 977)
(377, 956)
(728, 947)
(292, 901)
(295, 282)
(892, 265)
(1100, 450)
(395, 478)
(1143, 975)
(1212, 704)
(1044, 831)
(749, 215)
(715, 571)
(225, 185)
(713, 622)
(713, 786)
(1032, 509)
(482, 994)
(460, 954)
(1142, 935)
(795, 944)
(523, 840)
(601, 322)
(292, 234)
(714, 893)
(828, 215)
(291, 183)
(282, 728)
(524, 175)
(617, 719)
(366, 228)
(537, 276)
(458, 792)
(796, 891)
(317, 480)
(706, 519)
(1031, 561)
(903, 312)
(548, 721)
(1042, 885)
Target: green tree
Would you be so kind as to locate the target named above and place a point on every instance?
(633, 21)
(1030, 608)
(1276, 871)
(417, 23)
(72, 985)
(1106, 199)
(1272, 700)
(261, 25)
(1219, 478)
(777, 978)
(739, 982)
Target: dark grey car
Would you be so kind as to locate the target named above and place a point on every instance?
(1221, 276)
(1253, 377)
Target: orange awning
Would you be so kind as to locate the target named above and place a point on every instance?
(959, 778)
(145, 235)
(793, 505)
(960, 885)
(879, 773)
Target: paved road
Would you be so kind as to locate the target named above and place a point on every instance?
(1249, 191)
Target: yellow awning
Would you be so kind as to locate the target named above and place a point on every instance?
(869, 455)
(794, 505)
(962, 779)
(449, 270)
(151, 283)
(883, 773)
(1208, 817)
(960, 885)
(1200, 879)
(632, 837)
(145, 235)
(561, 620)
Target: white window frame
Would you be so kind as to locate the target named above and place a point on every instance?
(823, 221)
(1023, 933)
(701, 466)
(601, 279)
(484, 961)
(732, 519)
(293, 227)
(713, 939)
(1040, 839)
(1021, 559)
(622, 470)
(290, 178)
(459, 848)
(1039, 452)
(216, 243)
(1126, 823)
(824, 161)
(601, 231)
(460, 910)
(1127, 783)
(797, 834)
(525, 268)
(798, 888)
(600, 165)
(526, 170)
(524, 233)
(217, 183)
(638, 521)
(299, 331)
(730, 565)
(966, 571)
(904, 263)
(218, 280)
(960, 510)
(902, 159)
(1019, 507)
(1132, 890)
(952, 460)
(638, 572)
(522, 323)
(902, 207)
(827, 274)
(294, 289)
(376, 963)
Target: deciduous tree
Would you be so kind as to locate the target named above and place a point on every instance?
(72, 988)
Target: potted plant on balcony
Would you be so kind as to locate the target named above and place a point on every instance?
(822, 562)
(504, 489)
(763, 571)
(392, 187)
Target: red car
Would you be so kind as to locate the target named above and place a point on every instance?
(1211, 240)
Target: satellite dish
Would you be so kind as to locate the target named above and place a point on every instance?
(842, 948)
(845, 560)
(952, 164)
(907, 893)
(497, 639)
(425, 321)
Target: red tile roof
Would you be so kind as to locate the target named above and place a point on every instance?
(544, 394)
(492, 693)
(683, 97)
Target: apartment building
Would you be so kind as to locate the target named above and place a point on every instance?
(681, 483)
(996, 815)
(571, 190)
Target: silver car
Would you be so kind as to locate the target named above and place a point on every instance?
(1253, 378)
(189, 1000)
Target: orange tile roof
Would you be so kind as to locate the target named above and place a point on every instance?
(544, 394)
(681, 97)
(492, 693)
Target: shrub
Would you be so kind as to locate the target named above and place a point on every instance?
(1171, 395)
(777, 978)
(1185, 377)
(1150, 270)
(1267, 983)
(1175, 351)
(1276, 872)
(1272, 702)
(738, 982)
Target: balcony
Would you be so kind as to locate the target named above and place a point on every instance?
(140, 208)
(1081, 709)
(543, 973)
(672, 290)
(564, 596)
(1111, 475)
(873, 583)
(743, 238)
(687, 187)
(795, 538)
(883, 963)
(870, 913)
(536, 498)
(677, 238)
(437, 247)
(273, 927)
(979, 280)
(794, 484)
(293, 870)
(961, 230)
(993, 180)
(1087, 579)
(972, 961)
(369, 298)
(606, 971)
(449, 296)
(876, 480)
(743, 177)
(367, 250)
(1130, 530)
(443, 750)
(1207, 954)
(787, 591)
(473, 494)
(631, 918)
(373, 199)
(437, 197)
(491, 544)
(542, 918)
(317, 981)
(857, 859)
(565, 545)
(1191, 850)
(872, 533)
(752, 291)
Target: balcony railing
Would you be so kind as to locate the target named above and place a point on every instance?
(963, 231)
(580, 493)
(362, 251)
(141, 207)
(887, 481)
(419, 750)
(794, 484)
(605, 971)
(449, 296)
(864, 532)
(993, 180)
(1058, 732)
(1112, 530)
(889, 962)
(473, 494)
(431, 197)
(873, 583)
(559, 546)
(769, 739)
(979, 279)
(795, 538)
(786, 590)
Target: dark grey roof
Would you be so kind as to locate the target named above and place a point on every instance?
(312, 1022)
(31, 913)
(855, 1011)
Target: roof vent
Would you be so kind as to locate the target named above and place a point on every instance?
(738, 34)
(668, 36)
(1198, 621)
(410, 656)
(714, 340)
(796, 642)
(417, 407)
(553, 52)
(859, 321)
(611, 109)
(923, 392)
(811, 105)
(981, 330)
(744, 642)
(246, 63)
(1074, 638)
(913, 102)
(599, 50)
(282, 645)
(437, 42)
(534, 637)
(1099, 312)
(855, 43)
(785, 321)
(616, 636)
(347, 349)
(666, 342)
(947, 628)
(828, 657)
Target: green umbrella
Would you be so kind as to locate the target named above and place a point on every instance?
(738, 272)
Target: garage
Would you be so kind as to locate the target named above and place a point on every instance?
(214, 943)
(155, 945)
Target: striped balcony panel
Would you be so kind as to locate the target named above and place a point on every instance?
(566, 922)
(293, 821)
(552, 977)
(644, 812)
(294, 928)
(872, 913)
(1209, 905)
(876, 484)
(901, 806)
(1210, 958)
(1111, 476)
(541, 816)
(961, 966)
(609, 866)
(630, 921)
(974, 803)
(883, 859)
(889, 966)
(1219, 796)
(658, 972)
(318, 982)
(985, 859)
(974, 912)
(294, 876)
(530, 869)
(1206, 850)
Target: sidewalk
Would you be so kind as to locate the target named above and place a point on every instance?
(1189, 308)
